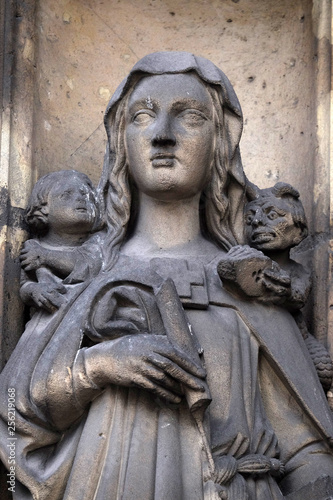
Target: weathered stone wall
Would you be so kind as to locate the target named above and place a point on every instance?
(17, 62)
(265, 48)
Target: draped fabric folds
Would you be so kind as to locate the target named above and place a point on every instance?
(76, 441)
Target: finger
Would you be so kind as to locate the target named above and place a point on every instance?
(272, 448)
(163, 379)
(262, 441)
(266, 440)
(249, 253)
(161, 345)
(61, 289)
(144, 383)
(239, 251)
(235, 249)
(33, 244)
(29, 266)
(278, 290)
(25, 257)
(54, 298)
(176, 372)
(180, 359)
(279, 277)
(234, 254)
(248, 250)
(45, 304)
(189, 365)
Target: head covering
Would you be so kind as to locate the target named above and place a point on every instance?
(159, 63)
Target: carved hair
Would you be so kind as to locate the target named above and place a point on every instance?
(216, 202)
(118, 191)
(37, 210)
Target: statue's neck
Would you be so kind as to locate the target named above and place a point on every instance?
(63, 239)
(167, 228)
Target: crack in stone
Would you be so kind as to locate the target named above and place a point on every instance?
(85, 140)
(113, 31)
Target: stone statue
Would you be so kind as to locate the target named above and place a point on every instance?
(151, 380)
(62, 212)
(275, 222)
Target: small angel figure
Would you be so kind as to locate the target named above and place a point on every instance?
(275, 222)
(62, 214)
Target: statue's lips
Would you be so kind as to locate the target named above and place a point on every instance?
(81, 209)
(262, 236)
(163, 160)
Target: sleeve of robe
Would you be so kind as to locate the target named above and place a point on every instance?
(40, 372)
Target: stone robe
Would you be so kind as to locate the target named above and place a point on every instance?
(78, 442)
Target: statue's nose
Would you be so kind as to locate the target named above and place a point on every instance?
(163, 132)
(258, 218)
(80, 195)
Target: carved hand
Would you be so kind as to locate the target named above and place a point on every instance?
(32, 256)
(242, 270)
(274, 279)
(146, 361)
(45, 295)
(277, 282)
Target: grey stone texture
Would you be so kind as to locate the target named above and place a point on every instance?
(61, 62)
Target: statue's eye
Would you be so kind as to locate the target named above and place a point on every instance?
(192, 117)
(66, 194)
(272, 214)
(249, 218)
(143, 117)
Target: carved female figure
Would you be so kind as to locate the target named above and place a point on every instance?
(154, 382)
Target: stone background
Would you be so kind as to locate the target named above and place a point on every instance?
(85, 48)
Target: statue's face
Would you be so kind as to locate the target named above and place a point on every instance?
(269, 225)
(170, 136)
(71, 206)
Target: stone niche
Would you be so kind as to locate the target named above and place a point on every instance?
(61, 61)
